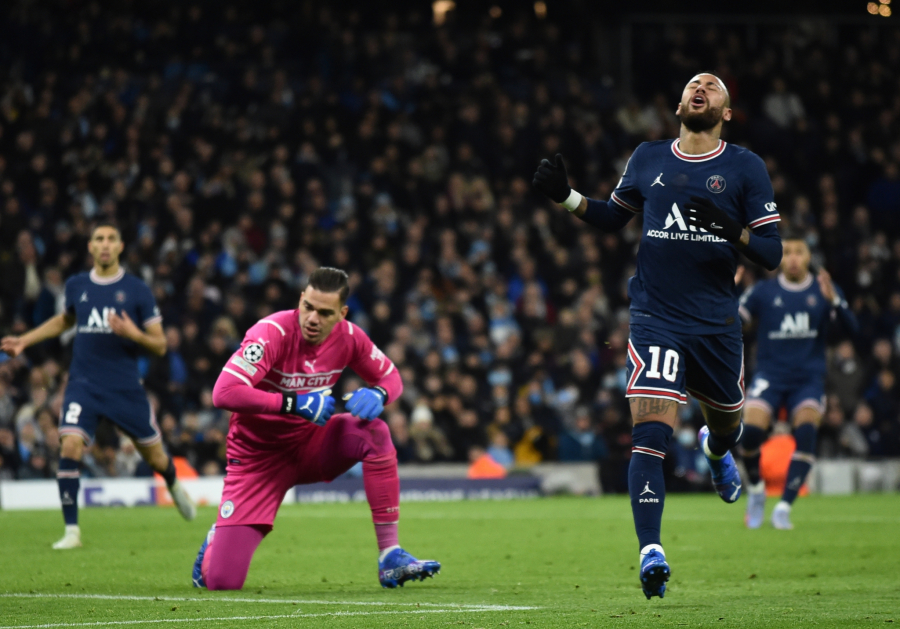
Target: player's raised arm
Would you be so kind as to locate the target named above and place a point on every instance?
(840, 308)
(51, 328)
(552, 181)
(385, 384)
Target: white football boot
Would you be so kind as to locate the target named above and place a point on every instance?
(183, 501)
(71, 538)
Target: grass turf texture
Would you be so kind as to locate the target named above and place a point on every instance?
(574, 559)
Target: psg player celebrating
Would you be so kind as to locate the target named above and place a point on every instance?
(703, 202)
(283, 433)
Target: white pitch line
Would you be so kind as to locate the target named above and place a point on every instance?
(112, 623)
(176, 599)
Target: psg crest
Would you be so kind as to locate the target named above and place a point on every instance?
(716, 184)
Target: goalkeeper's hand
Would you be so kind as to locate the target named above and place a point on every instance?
(704, 213)
(316, 407)
(366, 403)
(552, 179)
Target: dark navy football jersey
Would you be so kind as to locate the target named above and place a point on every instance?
(99, 356)
(792, 327)
(685, 276)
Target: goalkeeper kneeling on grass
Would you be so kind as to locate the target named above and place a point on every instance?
(283, 433)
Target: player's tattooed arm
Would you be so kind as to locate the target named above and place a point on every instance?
(645, 408)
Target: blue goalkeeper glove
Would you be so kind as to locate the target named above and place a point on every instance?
(366, 403)
(316, 407)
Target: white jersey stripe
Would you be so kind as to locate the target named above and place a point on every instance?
(234, 373)
(277, 325)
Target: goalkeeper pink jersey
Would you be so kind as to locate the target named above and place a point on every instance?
(275, 358)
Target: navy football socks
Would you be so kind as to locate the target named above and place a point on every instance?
(754, 437)
(719, 445)
(169, 474)
(68, 477)
(801, 461)
(646, 483)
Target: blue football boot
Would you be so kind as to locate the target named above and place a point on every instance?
(399, 567)
(654, 574)
(725, 475)
(197, 574)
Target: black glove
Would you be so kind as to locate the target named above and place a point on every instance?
(705, 214)
(552, 180)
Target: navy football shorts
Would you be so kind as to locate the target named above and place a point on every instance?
(84, 404)
(669, 365)
(772, 393)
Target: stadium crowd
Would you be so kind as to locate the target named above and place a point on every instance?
(237, 152)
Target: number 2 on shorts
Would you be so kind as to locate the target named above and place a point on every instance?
(73, 413)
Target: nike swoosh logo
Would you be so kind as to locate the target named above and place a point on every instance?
(714, 226)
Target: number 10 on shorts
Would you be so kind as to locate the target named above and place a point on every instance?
(670, 363)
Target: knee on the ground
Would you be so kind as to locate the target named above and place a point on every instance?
(227, 581)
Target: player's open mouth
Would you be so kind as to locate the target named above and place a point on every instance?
(698, 101)
(311, 331)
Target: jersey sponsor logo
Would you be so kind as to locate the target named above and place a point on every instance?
(310, 364)
(771, 207)
(306, 382)
(794, 326)
(716, 184)
(677, 228)
(253, 353)
(243, 364)
(227, 509)
(658, 180)
(120, 296)
(98, 322)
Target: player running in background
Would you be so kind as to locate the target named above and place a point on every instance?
(703, 202)
(282, 433)
(792, 313)
(105, 305)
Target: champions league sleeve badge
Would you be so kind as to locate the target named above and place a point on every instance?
(253, 353)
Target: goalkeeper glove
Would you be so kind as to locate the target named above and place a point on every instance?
(316, 407)
(704, 213)
(366, 403)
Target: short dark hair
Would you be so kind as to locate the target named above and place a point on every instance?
(100, 224)
(330, 280)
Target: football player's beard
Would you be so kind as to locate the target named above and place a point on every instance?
(700, 121)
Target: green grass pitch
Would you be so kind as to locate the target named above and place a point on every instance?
(572, 561)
